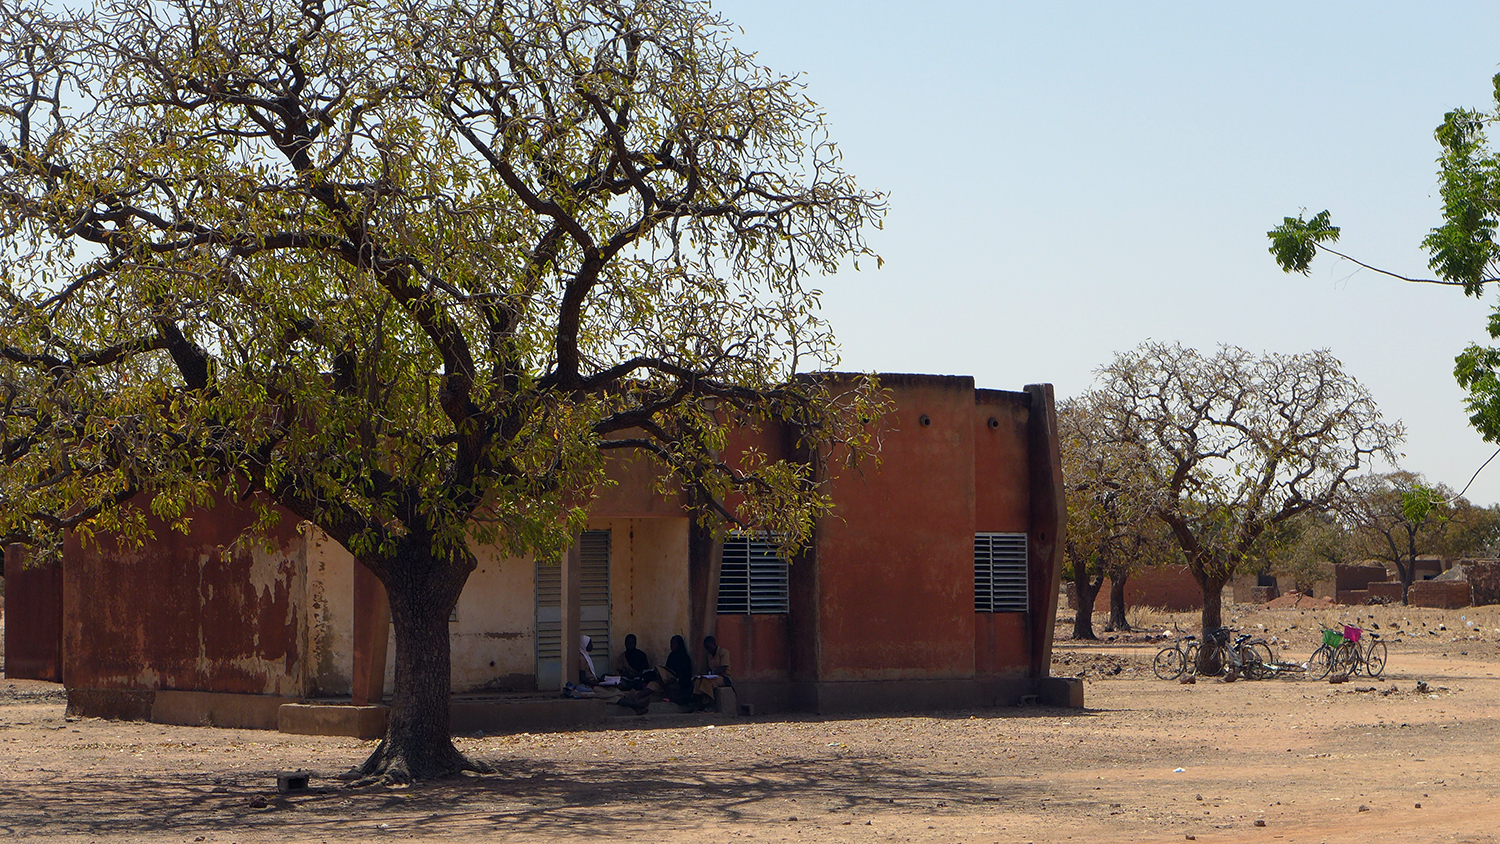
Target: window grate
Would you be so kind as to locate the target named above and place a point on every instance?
(752, 577)
(1000, 572)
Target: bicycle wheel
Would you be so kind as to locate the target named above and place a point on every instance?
(1264, 650)
(1190, 659)
(1375, 658)
(1169, 663)
(1350, 660)
(1320, 663)
(1252, 665)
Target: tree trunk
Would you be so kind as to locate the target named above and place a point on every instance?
(423, 592)
(1117, 621)
(1408, 575)
(1083, 620)
(1213, 619)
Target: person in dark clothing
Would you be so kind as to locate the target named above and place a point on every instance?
(632, 663)
(677, 678)
(674, 680)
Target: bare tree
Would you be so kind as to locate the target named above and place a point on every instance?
(1113, 529)
(408, 270)
(1239, 443)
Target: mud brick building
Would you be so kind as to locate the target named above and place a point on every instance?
(933, 585)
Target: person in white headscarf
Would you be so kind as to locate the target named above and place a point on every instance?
(586, 675)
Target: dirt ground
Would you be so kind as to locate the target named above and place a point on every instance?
(1147, 760)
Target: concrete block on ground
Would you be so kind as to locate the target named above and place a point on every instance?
(726, 701)
(1264, 594)
(322, 719)
(1440, 594)
(1061, 691)
(289, 781)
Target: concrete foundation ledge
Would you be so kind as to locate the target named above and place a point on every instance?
(525, 715)
(319, 719)
(113, 704)
(217, 709)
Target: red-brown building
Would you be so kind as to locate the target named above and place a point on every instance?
(933, 585)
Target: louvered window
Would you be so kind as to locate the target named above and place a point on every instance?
(593, 600)
(1000, 572)
(752, 578)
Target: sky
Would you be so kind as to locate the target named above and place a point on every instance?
(1067, 180)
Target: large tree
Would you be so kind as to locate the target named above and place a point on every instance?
(1463, 250)
(1113, 529)
(1238, 443)
(409, 271)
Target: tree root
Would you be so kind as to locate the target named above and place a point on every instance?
(391, 764)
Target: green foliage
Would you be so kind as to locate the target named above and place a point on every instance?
(409, 271)
(1295, 241)
(1462, 249)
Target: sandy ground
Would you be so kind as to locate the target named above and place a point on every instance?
(1312, 761)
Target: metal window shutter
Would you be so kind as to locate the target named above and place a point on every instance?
(593, 599)
(752, 578)
(1000, 573)
(734, 576)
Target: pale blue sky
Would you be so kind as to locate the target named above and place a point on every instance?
(1069, 179)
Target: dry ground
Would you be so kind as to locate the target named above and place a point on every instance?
(1312, 761)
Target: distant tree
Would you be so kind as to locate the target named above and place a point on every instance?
(1462, 248)
(1113, 529)
(1238, 443)
(1303, 548)
(1398, 517)
(409, 271)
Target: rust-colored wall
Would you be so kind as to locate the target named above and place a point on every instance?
(895, 565)
(1442, 594)
(184, 613)
(1172, 588)
(632, 493)
(1002, 646)
(1002, 501)
(33, 618)
(757, 645)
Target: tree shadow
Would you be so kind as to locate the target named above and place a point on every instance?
(523, 797)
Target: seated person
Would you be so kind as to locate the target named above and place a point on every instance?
(586, 674)
(675, 678)
(632, 663)
(715, 674)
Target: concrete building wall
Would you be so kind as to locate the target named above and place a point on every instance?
(648, 583)
(197, 612)
(330, 615)
(494, 636)
(1002, 504)
(895, 561)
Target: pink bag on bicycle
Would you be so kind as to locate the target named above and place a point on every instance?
(1352, 633)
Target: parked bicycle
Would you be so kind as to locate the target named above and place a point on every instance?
(1342, 654)
(1177, 658)
(1247, 655)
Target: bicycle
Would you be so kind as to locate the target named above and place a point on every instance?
(1176, 659)
(1246, 655)
(1341, 653)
